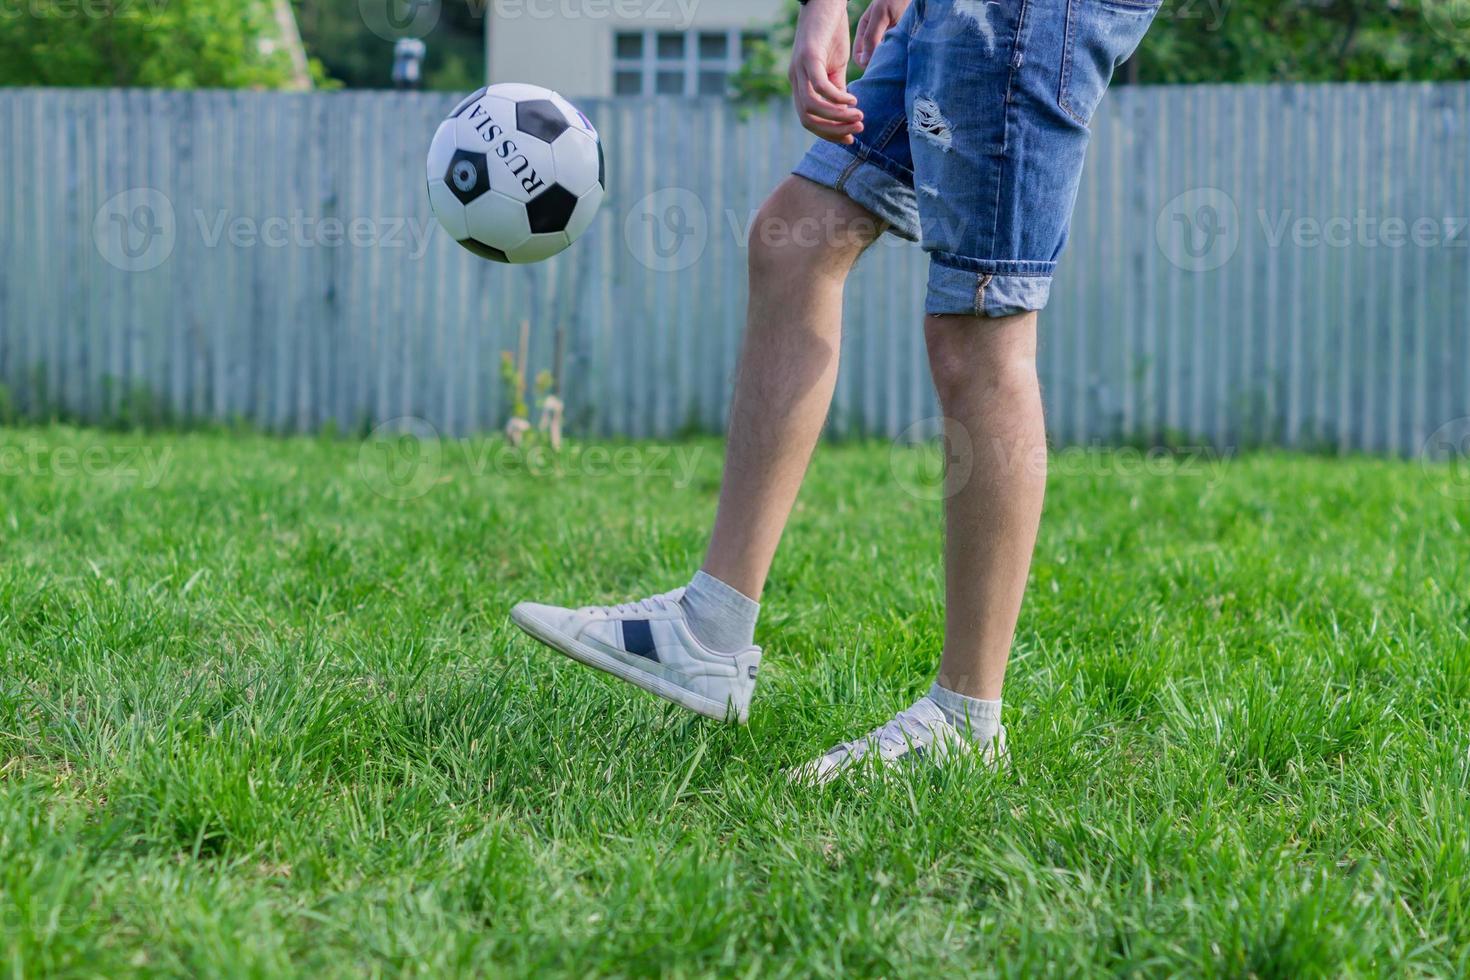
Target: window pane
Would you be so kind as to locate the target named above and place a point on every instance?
(670, 83)
(712, 83)
(671, 45)
(628, 83)
(748, 41)
(629, 44)
(713, 47)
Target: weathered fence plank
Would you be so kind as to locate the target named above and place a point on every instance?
(1252, 264)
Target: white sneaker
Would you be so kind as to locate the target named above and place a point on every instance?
(919, 733)
(648, 643)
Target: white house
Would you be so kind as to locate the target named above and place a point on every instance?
(623, 47)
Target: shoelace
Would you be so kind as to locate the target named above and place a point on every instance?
(639, 607)
(903, 729)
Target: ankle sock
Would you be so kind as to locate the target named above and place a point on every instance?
(976, 717)
(720, 616)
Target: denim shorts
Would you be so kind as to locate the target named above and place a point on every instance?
(975, 116)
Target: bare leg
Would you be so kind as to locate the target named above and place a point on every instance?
(803, 244)
(985, 373)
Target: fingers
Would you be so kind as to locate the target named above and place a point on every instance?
(831, 131)
(824, 108)
(813, 103)
(833, 91)
(870, 30)
(858, 53)
(822, 118)
(828, 130)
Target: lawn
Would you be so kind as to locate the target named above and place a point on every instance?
(261, 712)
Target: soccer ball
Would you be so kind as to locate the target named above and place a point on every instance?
(515, 173)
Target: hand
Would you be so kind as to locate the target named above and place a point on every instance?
(880, 15)
(819, 72)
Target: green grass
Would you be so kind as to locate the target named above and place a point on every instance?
(258, 718)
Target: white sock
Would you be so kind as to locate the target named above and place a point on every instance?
(976, 717)
(720, 616)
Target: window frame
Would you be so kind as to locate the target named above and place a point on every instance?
(649, 64)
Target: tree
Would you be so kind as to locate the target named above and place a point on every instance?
(153, 43)
(360, 55)
(1244, 41)
(1301, 41)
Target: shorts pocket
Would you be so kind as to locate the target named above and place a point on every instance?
(1100, 36)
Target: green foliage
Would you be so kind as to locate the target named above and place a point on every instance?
(150, 43)
(257, 719)
(513, 383)
(763, 75)
(1244, 41)
(545, 381)
(335, 32)
(1301, 41)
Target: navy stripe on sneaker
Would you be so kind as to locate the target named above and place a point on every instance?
(638, 638)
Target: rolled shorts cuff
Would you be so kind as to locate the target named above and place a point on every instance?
(868, 178)
(978, 287)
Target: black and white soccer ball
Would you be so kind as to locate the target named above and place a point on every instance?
(516, 173)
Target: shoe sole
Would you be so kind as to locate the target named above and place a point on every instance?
(624, 670)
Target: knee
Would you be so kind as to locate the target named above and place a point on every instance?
(795, 235)
(977, 357)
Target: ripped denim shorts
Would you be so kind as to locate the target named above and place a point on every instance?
(975, 117)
